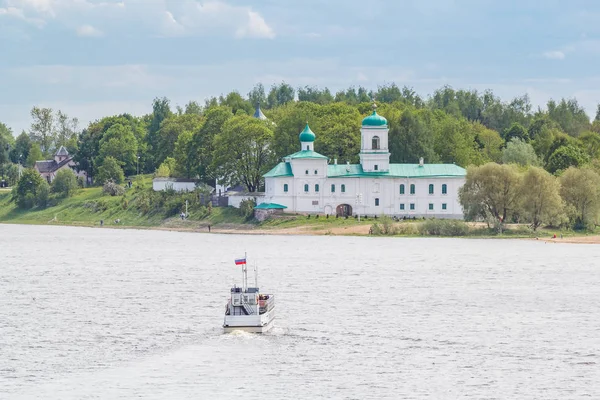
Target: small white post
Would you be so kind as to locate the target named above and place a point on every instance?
(186, 204)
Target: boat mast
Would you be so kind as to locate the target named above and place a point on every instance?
(245, 273)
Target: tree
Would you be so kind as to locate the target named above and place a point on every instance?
(171, 129)
(18, 154)
(161, 110)
(315, 95)
(540, 197)
(242, 151)
(565, 157)
(490, 143)
(280, 94)
(591, 143)
(186, 158)
(65, 183)
(257, 95)
(516, 131)
(580, 189)
(193, 108)
(167, 168)
(203, 139)
(120, 143)
(571, 117)
(110, 170)
(491, 190)
(6, 143)
(42, 129)
(35, 154)
(411, 137)
(66, 129)
(519, 152)
(31, 190)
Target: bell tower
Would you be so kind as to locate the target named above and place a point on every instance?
(374, 152)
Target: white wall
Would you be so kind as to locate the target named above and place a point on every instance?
(387, 190)
(162, 184)
(236, 199)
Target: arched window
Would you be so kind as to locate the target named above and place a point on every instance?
(285, 187)
(306, 187)
(444, 189)
(317, 187)
(431, 188)
(412, 188)
(332, 188)
(343, 188)
(375, 143)
(307, 147)
(402, 189)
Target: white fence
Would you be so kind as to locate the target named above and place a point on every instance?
(160, 184)
(236, 199)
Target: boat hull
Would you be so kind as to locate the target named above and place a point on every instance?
(250, 323)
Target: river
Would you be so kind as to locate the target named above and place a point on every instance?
(120, 314)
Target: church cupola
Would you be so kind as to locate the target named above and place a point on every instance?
(307, 139)
(374, 153)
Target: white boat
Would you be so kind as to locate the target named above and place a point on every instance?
(247, 309)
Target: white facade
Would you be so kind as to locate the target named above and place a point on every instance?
(234, 200)
(178, 185)
(306, 182)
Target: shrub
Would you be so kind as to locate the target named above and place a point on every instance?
(110, 170)
(386, 227)
(246, 209)
(444, 227)
(31, 190)
(113, 189)
(65, 183)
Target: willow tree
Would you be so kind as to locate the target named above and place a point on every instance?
(540, 197)
(580, 189)
(242, 152)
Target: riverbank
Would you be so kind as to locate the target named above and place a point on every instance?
(90, 206)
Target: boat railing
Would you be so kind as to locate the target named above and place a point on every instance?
(266, 305)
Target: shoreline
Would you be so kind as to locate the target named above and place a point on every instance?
(303, 230)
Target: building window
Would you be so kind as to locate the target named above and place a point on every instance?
(317, 187)
(375, 143)
(431, 206)
(412, 206)
(306, 187)
(431, 188)
(285, 187)
(444, 189)
(444, 206)
(332, 188)
(307, 147)
(402, 206)
(376, 202)
(376, 167)
(343, 188)
(401, 189)
(316, 172)
(412, 188)
(306, 172)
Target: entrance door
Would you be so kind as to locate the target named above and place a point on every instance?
(344, 210)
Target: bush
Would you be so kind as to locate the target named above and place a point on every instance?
(112, 188)
(65, 183)
(31, 190)
(444, 227)
(110, 170)
(386, 227)
(246, 209)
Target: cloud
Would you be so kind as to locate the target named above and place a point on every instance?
(554, 55)
(89, 31)
(152, 17)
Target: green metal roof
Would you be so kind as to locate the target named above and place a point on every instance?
(374, 120)
(281, 169)
(307, 135)
(397, 171)
(307, 154)
(269, 206)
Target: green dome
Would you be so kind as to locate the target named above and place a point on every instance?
(307, 135)
(374, 120)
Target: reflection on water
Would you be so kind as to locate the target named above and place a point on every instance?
(120, 314)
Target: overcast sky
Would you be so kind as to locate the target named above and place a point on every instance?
(94, 58)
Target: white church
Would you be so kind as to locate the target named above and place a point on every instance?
(306, 182)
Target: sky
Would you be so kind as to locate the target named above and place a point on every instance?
(94, 58)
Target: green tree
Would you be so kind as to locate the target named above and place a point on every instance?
(242, 151)
(490, 143)
(6, 143)
(161, 110)
(580, 189)
(491, 191)
(66, 129)
(591, 143)
(20, 151)
(516, 131)
(186, 156)
(411, 137)
(119, 142)
(203, 139)
(237, 104)
(65, 183)
(193, 108)
(565, 157)
(280, 94)
(35, 154)
(257, 95)
(519, 152)
(569, 115)
(171, 129)
(42, 130)
(31, 190)
(167, 168)
(315, 95)
(540, 197)
(110, 169)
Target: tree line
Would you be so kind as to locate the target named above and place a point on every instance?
(219, 139)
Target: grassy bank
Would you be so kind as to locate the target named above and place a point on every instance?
(140, 207)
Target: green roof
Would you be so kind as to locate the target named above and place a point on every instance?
(281, 169)
(397, 171)
(307, 135)
(374, 120)
(307, 154)
(269, 206)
